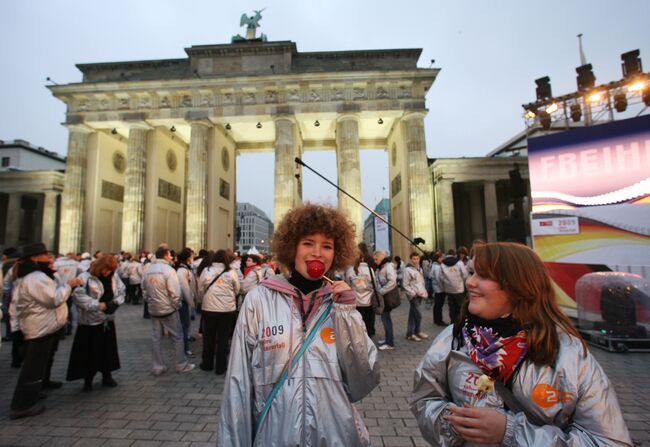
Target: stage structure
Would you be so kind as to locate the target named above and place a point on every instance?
(153, 144)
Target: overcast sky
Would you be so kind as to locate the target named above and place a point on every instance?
(489, 52)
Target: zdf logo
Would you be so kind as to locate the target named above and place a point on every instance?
(546, 396)
(328, 336)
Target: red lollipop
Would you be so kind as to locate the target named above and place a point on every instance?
(315, 269)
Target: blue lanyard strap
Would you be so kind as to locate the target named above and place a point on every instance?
(285, 372)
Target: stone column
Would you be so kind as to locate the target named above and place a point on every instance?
(74, 191)
(49, 219)
(420, 195)
(348, 170)
(134, 188)
(196, 184)
(12, 227)
(491, 210)
(445, 214)
(285, 153)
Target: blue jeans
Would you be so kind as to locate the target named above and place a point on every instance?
(415, 317)
(184, 313)
(388, 328)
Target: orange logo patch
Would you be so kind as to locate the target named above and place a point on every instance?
(545, 396)
(328, 336)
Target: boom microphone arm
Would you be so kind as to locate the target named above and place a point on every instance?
(412, 242)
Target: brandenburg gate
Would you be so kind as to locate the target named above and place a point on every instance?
(153, 144)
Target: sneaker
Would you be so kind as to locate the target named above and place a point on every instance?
(189, 353)
(386, 347)
(413, 338)
(381, 342)
(187, 368)
(422, 335)
(52, 385)
(158, 372)
(441, 323)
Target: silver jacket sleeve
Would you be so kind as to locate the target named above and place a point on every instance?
(236, 425)
(431, 398)
(357, 354)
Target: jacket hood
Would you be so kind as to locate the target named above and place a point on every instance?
(280, 284)
(450, 261)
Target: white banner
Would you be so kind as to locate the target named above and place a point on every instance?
(382, 241)
(554, 226)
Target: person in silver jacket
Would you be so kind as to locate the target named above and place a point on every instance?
(313, 407)
(162, 292)
(514, 371)
(386, 278)
(218, 288)
(94, 348)
(415, 291)
(189, 292)
(39, 303)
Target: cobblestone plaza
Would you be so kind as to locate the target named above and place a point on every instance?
(182, 410)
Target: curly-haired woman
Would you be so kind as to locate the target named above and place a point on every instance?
(514, 371)
(275, 395)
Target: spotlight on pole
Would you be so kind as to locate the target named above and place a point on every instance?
(576, 113)
(586, 78)
(620, 102)
(631, 64)
(543, 89)
(530, 114)
(646, 97)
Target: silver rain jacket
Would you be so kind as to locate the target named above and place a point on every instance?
(361, 283)
(575, 399)
(187, 281)
(161, 289)
(39, 304)
(86, 298)
(413, 282)
(313, 407)
(221, 296)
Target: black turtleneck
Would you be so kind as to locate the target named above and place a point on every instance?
(303, 284)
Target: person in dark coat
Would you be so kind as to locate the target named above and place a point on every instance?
(94, 348)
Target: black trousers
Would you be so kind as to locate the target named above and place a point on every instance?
(39, 355)
(217, 329)
(438, 303)
(17, 349)
(455, 301)
(368, 316)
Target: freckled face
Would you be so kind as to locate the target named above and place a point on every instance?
(487, 299)
(315, 247)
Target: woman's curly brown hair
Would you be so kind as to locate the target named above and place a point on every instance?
(309, 219)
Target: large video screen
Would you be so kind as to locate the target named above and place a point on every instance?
(590, 189)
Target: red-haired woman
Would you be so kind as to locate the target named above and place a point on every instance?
(514, 371)
(94, 348)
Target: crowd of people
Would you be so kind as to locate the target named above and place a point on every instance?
(294, 334)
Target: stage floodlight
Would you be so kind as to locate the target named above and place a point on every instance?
(586, 78)
(529, 114)
(576, 113)
(545, 119)
(636, 86)
(552, 108)
(543, 90)
(631, 64)
(646, 97)
(595, 97)
(620, 102)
